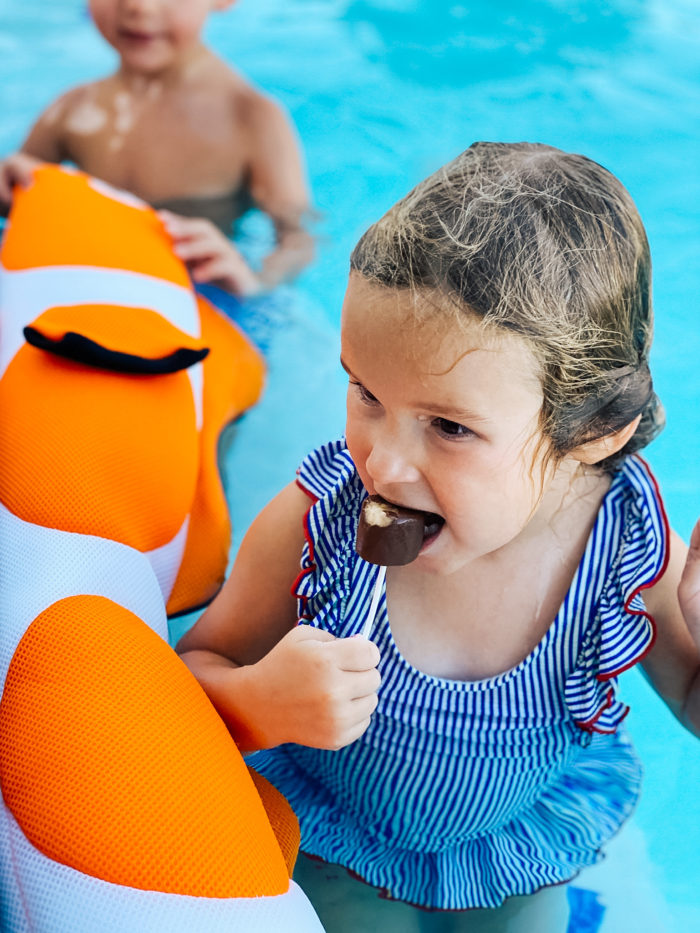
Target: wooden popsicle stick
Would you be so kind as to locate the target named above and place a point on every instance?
(376, 594)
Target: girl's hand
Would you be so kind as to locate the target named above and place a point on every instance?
(16, 169)
(689, 586)
(209, 255)
(313, 689)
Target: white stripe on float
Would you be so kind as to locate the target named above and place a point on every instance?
(27, 293)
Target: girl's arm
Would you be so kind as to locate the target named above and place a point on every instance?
(272, 680)
(673, 664)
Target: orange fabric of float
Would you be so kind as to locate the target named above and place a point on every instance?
(281, 816)
(131, 810)
(57, 222)
(228, 391)
(115, 456)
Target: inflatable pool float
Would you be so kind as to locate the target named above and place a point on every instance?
(141, 465)
(126, 804)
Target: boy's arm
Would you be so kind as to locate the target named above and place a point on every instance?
(275, 176)
(44, 143)
(277, 181)
(45, 140)
(673, 664)
(271, 680)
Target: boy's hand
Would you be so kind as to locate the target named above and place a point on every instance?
(16, 169)
(314, 689)
(209, 255)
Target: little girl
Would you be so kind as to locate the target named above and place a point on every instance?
(496, 334)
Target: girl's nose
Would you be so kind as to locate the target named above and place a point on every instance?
(391, 462)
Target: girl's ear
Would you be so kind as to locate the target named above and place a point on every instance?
(597, 450)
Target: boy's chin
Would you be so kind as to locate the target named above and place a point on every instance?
(145, 58)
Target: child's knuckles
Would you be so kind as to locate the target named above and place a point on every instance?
(324, 690)
(305, 632)
(365, 706)
(356, 653)
(359, 729)
(366, 652)
(334, 735)
(326, 668)
(336, 744)
(325, 738)
(370, 656)
(346, 735)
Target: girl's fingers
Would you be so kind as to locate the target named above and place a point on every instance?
(356, 731)
(305, 632)
(356, 721)
(363, 707)
(364, 685)
(356, 654)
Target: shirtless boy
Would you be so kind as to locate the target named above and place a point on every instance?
(176, 126)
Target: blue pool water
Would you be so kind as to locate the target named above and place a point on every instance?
(382, 92)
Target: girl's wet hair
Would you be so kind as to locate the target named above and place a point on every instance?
(550, 246)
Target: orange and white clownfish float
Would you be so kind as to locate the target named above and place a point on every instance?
(126, 805)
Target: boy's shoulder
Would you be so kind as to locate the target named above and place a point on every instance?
(77, 113)
(90, 93)
(253, 107)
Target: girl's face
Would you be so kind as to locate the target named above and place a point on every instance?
(151, 35)
(446, 422)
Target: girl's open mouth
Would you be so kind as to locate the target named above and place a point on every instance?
(433, 526)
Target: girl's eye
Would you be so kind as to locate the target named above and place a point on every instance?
(364, 394)
(451, 428)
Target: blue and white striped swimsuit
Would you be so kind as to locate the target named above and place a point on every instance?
(460, 794)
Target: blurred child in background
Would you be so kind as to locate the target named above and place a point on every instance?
(176, 126)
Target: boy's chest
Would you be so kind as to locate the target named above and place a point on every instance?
(160, 148)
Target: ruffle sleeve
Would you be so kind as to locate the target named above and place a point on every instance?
(622, 631)
(322, 588)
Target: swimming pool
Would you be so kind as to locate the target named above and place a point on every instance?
(382, 92)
